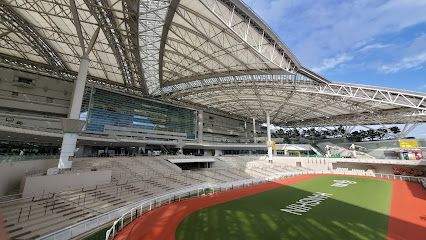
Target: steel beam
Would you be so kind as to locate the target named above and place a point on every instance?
(17, 23)
(367, 93)
(129, 63)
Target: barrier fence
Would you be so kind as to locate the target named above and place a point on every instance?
(122, 216)
(147, 206)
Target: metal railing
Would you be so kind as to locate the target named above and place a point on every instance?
(17, 158)
(120, 217)
(102, 219)
(147, 206)
(400, 177)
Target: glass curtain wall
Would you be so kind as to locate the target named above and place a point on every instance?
(101, 107)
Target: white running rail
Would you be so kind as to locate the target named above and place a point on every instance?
(124, 215)
(129, 216)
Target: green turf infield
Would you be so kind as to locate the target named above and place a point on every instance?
(358, 211)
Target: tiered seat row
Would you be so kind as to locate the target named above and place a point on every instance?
(133, 179)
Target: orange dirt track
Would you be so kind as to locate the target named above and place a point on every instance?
(162, 223)
(407, 220)
(408, 212)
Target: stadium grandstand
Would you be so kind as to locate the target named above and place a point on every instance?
(113, 110)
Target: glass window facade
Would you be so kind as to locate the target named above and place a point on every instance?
(101, 107)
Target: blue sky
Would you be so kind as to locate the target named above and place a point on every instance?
(373, 42)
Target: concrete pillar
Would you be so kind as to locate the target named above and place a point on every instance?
(254, 131)
(353, 148)
(245, 133)
(218, 152)
(71, 133)
(200, 126)
(180, 147)
(269, 142)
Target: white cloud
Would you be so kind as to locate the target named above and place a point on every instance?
(327, 28)
(374, 46)
(413, 57)
(411, 62)
(330, 63)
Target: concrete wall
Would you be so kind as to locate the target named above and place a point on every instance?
(224, 129)
(11, 174)
(36, 105)
(320, 164)
(378, 168)
(44, 94)
(36, 185)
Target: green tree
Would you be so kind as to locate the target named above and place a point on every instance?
(381, 133)
(395, 129)
(371, 134)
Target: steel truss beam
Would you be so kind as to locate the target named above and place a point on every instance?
(195, 21)
(203, 44)
(345, 91)
(208, 37)
(366, 118)
(152, 15)
(393, 97)
(54, 26)
(16, 23)
(129, 63)
(301, 102)
(306, 106)
(229, 13)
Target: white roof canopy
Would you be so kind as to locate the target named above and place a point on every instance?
(213, 54)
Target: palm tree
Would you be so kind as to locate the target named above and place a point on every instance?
(381, 133)
(371, 134)
(395, 129)
(357, 136)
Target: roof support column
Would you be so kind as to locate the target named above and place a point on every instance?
(200, 126)
(407, 129)
(245, 131)
(268, 132)
(254, 131)
(73, 125)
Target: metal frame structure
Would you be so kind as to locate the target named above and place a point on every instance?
(25, 31)
(302, 102)
(218, 38)
(52, 23)
(216, 55)
(152, 16)
(130, 64)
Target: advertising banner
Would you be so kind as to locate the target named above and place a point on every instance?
(408, 143)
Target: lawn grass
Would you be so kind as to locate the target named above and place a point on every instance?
(359, 211)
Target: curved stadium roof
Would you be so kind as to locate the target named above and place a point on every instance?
(214, 54)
